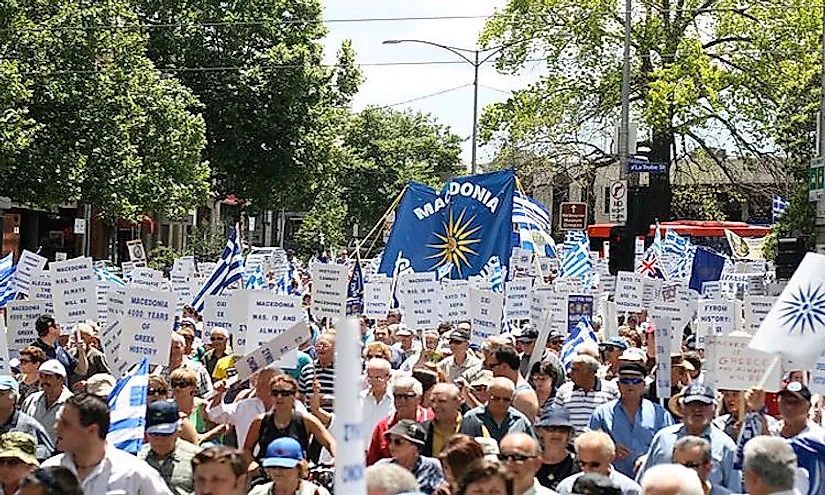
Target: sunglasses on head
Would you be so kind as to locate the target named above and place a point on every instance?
(282, 393)
(515, 457)
(631, 381)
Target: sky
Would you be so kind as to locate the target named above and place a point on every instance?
(388, 85)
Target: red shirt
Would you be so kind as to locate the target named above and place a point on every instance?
(380, 445)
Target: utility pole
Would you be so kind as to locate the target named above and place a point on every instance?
(624, 130)
(476, 65)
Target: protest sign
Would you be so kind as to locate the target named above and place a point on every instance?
(115, 304)
(756, 285)
(607, 283)
(271, 352)
(652, 291)
(110, 338)
(270, 315)
(677, 314)
(455, 306)
(216, 314)
(711, 290)
(520, 261)
(540, 304)
(181, 284)
(349, 436)
(717, 317)
(185, 266)
(147, 278)
(517, 298)
(205, 268)
(21, 332)
(41, 291)
(377, 296)
(4, 350)
(329, 291)
(568, 285)
(756, 309)
(817, 384)
(421, 302)
(578, 306)
(102, 291)
(629, 292)
(74, 291)
(485, 313)
(147, 325)
(127, 267)
(607, 311)
(732, 365)
(239, 313)
(29, 266)
(664, 342)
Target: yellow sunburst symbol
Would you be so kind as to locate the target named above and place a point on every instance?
(455, 242)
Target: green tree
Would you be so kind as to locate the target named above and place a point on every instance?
(99, 124)
(387, 148)
(324, 223)
(270, 105)
(703, 71)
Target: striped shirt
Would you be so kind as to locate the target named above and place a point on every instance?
(581, 404)
(326, 378)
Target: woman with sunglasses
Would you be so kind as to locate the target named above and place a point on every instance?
(31, 358)
(194, 409)
(284, 421)
(545, 377)
(157, 390)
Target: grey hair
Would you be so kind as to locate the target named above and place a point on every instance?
(379, 364)
(691, 442)
(176, 337)
(587, 360)
(772, 460)
(667, 474)
(408, 382)
(390, 479)
(589, 348)
(451, 388)
(220, 330)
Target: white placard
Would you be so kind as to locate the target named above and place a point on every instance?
(127, 267)
(652, 291)
(147, 325)
(629, 292)
(817, 384)
(60, 256)
(718, 317)
(664, 343)
(4, 350)
(711, 290)
(455, 307)
(272, 353)
(205, 268)
(270, 315)
(377, 296)
(80, 226)
(41, 291)
(115, 304)
(520, 262)
(608, 283)
(217, 314)
(610, 321)
(518, 296)
(734, 366)
(181, 284)
(422, 303)
(238, 313)
(29, 267)
(329, 291)
(110, 337)
(147, 278)
(74, 291)
(185, 266)
(136, 250)
(22, 316)
(756, 308)
(639, 246)
(102, 292)
(485, 313)
(349, 435)
(678, 315)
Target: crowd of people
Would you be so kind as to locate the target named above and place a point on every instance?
(441, 415)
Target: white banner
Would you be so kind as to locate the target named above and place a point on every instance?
(629, 292)
(147, 325)
(74, 291)
(455, 307)
(270, 315)
(377, 297)
(756, 309)
(216, 314)
(29, 266)
(518, 298)
(273, 353)
(22, 316)
(329, 291)
(732, 365)
(421, 301)
(485, 314)
(41, 291)
(663, 349)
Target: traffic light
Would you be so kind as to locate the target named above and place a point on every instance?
(789, 254)
(622, 247)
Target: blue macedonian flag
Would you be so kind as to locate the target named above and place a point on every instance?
(465, 224)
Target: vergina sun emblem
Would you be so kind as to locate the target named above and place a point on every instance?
(804, 310)
(455, 242)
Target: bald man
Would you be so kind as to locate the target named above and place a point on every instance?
(498, 417)
(519, 453)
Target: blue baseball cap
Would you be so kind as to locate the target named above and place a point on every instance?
(162, 418)
(283, 452)
(617, 342)
(9, 383)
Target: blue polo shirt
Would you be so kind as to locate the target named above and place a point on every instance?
(612, 418)
(722, 450)
(59, 353)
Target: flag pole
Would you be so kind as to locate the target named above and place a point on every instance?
(381, 222)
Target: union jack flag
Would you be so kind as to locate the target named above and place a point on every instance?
(650, 265)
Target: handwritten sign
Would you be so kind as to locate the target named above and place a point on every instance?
(21, 331)
(732, 365)
(147, 278)
(756, 308)
(455, 306)
(239, 313)
(270, 353)
(817, 384)
(652, 291)
(517, 298)
(664, 345)
(711, 290)
(110, 337)
(329, 291)
(677, 314)
(377, 296)
(147, 325)
(629, 292)
(29, 266)
(74, 291)
(718, 317)
(181, 284)
(4, 350)
(485, 314)
(102, 292)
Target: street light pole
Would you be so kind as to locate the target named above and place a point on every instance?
(476, 65)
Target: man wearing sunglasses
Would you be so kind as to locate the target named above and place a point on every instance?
(596, 452)
(406, 439)
(694, 453)
(462, 364)
(406, 393)
(519, 453)
(631, 420)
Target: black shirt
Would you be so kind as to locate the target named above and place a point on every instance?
(550, 475)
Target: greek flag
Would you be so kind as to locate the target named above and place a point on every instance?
(576, 262)
(583, 332)
(127, 410)
(8, 287)
(228, 271)
(495, 274)
(6, 262)
(810, 458)
(444, 270)
(674, 243)
(256, 280)
(530, 213)
(683, 268)
(104, 275)
(780, 204)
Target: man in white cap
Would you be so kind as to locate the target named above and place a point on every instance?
(45, 405)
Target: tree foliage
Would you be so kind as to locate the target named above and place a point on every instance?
(87, 116)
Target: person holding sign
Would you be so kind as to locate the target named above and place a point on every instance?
(794, 405)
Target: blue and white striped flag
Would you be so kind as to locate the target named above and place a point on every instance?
(8, 287)
(496, 275)
(576, 262)
(104, 275)
(6, 262)
(127, 410)
(674, 243)
(780, 204)
(810, 459)
(583, 332)
(444, 270)
(256, 280)
(682, 269)
(533, 224)
(229, 270)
